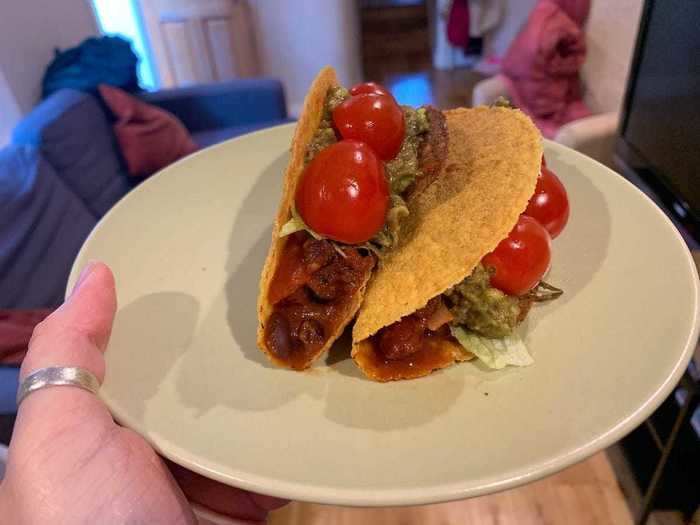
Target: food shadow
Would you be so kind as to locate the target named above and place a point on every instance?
(579, 252)
(165, 323)
(239, 375)
(357, 402)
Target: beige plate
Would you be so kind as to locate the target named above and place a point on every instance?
(187, 247)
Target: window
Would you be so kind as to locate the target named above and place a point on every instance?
(123, 18)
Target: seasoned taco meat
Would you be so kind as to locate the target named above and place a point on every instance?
(319, 283)
(433, 150)
(401, 339)
(406, 337)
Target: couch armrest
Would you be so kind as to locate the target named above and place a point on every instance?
(487, 91)
(222, 105)
(593, 136)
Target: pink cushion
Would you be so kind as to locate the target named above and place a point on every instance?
(543, 62)
(16, 327)
(150, 138)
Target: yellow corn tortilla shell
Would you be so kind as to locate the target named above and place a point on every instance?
(492, 164)
(308, 123)
(443, 354)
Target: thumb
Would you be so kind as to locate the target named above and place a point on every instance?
(76, 334)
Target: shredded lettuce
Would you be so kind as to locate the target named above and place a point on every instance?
(296, 224)
(494, 353)
(293, 225)
(385, 239)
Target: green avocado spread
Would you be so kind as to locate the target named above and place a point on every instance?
(325, 134)
(401, 171)
(481, 308)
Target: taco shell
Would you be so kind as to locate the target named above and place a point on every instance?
(492, 165)
(309, 121)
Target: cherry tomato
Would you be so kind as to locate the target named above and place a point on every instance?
(369, 87)
(374, 119)
(521, 259)
(549, 205)
(343, 193)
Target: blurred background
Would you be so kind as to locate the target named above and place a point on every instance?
(618, 80)
(402, 43)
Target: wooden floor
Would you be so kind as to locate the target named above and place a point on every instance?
(587, 493)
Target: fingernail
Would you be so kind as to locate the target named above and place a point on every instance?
(87, 270)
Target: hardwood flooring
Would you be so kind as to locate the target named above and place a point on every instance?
(585, 494)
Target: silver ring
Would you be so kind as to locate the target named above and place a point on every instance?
(57, 376)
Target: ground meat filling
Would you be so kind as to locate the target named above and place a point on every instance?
(314, 283)
(321, 286)
(407, 336)
(433, 150)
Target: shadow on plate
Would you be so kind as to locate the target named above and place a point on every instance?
(165, 323)
(579, 253)
(355, 401)
(239, 375)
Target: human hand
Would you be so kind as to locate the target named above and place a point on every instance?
(69, 462)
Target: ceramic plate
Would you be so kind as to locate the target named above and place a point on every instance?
(187, 247)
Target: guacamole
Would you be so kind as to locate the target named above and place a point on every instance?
(325, 134)
(401, 172)
(478, 306)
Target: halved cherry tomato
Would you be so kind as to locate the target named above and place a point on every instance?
(343, 193)
(369, 87)
(521, 259)
(374, 119)
(549, 205)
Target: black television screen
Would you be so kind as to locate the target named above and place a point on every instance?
(661, 117)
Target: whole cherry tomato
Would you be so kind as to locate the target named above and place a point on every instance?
(343, 193)
(369, 87)
(549, 205)
(374, 119)
(521, 259)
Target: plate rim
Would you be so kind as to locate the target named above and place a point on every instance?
(435, 493)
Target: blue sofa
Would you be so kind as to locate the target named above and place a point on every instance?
(63, 171)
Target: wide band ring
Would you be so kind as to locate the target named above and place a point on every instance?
(57, 376)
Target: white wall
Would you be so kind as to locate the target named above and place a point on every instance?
(297, 38)
(515, 15)
(30, 31)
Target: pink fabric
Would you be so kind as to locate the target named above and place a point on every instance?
(458, 24)
(16, 327)
(543, 62)
(150, 138)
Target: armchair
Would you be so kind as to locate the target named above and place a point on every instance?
(610, 36)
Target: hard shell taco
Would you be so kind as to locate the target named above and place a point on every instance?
(357, 161)
(432, 302)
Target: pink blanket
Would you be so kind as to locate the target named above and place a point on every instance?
(16, 327)
(542, 64)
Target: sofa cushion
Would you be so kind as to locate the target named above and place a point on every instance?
(73, 133)
(150, 138)
(238, 102)
(42, 226)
